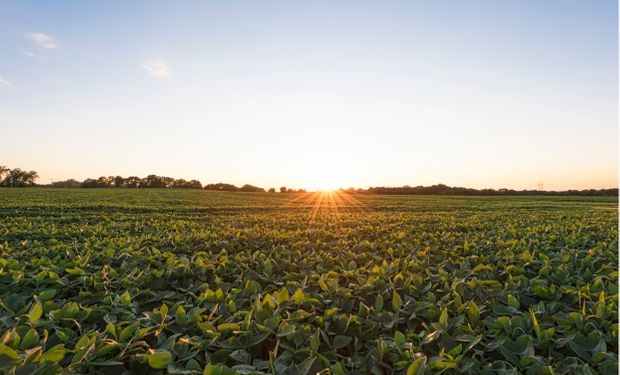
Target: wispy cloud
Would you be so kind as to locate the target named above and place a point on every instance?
(4, 82)
(156, 68)
(43, 40)
(35, 56)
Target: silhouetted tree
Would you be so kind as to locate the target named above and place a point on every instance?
(3, 172)
(18, 178)
(251, 189)
(221, 186)
(182, 183)
(193, 184)
(272, 190)
(133, 182)
(90, 183)
(119, 182)
(153, 181)
(283, 189)
(103, 181)
(70, 183)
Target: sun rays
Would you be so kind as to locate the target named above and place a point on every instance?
(329, 203)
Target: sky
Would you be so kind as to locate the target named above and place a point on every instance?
(321, 94)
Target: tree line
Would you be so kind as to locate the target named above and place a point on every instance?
(16, 177)
(441, 189)
(154, 181)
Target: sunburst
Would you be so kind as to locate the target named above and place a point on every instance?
(328, 203)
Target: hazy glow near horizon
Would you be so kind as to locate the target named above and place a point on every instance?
(315, 95)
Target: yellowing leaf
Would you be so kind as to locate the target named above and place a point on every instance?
(396, 302)
(443, 318)
(35, 312)
(417, 367)
(8, 351)
(473, 313)
(298, 296)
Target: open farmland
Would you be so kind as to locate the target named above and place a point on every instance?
(147, 281)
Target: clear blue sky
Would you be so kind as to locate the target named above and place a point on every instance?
(313, 94)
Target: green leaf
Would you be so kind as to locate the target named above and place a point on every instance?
(380, 349)
(341, 341)
(443, 318)
(379, 303)
(513, 301)
(232, 306)
(396, 302)
(30, 339)
(241, 356)
(399, 338)
(74, 271)
(213, 370)
(286, 329)
(228, 327)
(47, 294)
(84, 346)
(35, 312)
(111, 329)
(473, 313)
(218, 370)
(125, 298)
(163, 312)
(535, 324)
(55, 354)
(337, 369)
(417, 367)
(305, 366)
(8, 351)
(128, 331)
(159, 359)
(181, 316)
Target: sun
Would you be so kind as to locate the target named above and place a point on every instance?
(325, 188)
(325, 171)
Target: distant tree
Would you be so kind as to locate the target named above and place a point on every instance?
(441, 189)
(290, 190)
(90, 183)
(251, 189)
(283, 189)
(167, 181)
(103, 181)
(133, 182)
(193, 184)
(18, 178)
(154, 181)
(221, 187)
(180, 183)
(70, 183)
(3, 172)
(272, 190)
(119, 182)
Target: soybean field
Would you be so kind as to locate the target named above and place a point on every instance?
(150, 281)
